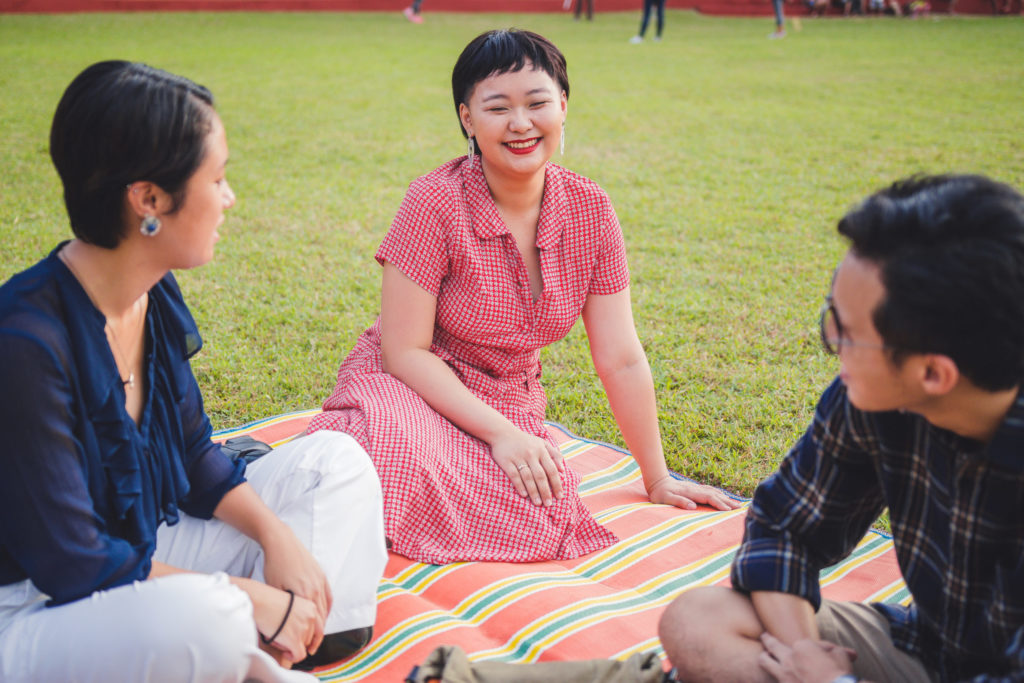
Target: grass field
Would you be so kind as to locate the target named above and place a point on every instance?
(729, 158)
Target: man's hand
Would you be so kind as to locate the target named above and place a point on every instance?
(807, 661)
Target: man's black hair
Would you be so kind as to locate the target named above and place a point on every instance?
(950, 250)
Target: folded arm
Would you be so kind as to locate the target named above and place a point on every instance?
(809, 514)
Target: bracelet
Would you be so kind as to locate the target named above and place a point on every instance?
(287, 613)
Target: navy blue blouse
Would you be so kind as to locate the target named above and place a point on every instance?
(82, 487)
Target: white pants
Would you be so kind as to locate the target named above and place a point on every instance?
(199, 627)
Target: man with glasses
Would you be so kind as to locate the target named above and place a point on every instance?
(926, 316)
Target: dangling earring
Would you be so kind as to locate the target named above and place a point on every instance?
(472, 149)
(149, 226)
(561, 144)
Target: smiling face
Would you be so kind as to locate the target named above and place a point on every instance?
(193, 227)
(517, 119)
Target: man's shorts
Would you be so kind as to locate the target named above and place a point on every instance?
(862, 628)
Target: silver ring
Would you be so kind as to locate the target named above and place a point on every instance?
(522, 465)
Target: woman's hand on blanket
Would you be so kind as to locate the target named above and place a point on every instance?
(687, 494)
(289, 565)
(298, 630)
(532, 464)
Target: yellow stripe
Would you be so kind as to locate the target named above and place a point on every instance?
(619, 511)
(621, 479)
(567, 577)
(886, 594)
(420, 586)
(573, 626)
(851, 564)
(651, 644)
(575, 447)
(537, 646)
(649, 586)
(646, 546)
(228, 434)
(394, 651)
(628, 548)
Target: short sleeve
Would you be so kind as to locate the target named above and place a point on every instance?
(611, 271)
(415, 244)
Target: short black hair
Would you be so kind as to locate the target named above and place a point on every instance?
(503, 51)
(950, 249)
(120, 122)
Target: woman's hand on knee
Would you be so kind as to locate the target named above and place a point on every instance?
(532, 464)
(289, 565)
(287, 622)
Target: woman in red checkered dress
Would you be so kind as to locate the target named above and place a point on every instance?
(491, 257)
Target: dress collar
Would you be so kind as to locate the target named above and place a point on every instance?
(486, 220)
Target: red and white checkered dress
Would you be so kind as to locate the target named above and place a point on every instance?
(445, 499)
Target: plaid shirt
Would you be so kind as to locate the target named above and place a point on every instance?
(957, 513)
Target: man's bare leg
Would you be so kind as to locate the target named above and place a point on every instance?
(711, 634)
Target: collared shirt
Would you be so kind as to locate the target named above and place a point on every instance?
(957, 512)
(82, 487)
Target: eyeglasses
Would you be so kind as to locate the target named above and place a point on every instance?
(832, 336)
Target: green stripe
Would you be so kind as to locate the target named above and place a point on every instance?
(632, 602)
(633, 548)
(469, 613)
(610, 478)
(899, 596)
(571, 447)
(854, 556)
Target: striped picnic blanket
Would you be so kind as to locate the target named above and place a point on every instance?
(603, 605)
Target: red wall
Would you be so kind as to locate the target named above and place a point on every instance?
(717, 7)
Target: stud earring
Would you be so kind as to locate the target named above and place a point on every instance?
(149, 226)
(561, 144)
(472, 149)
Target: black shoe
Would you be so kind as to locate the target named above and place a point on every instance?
(335, 647)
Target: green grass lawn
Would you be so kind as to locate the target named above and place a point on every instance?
(729, 158)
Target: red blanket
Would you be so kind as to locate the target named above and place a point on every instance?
(604, 605)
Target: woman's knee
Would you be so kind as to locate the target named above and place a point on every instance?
(324, 454)
(198, 621)
(330, 451)
(187, 627)
(343, 465)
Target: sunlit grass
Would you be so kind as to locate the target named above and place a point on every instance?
(729, 159)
